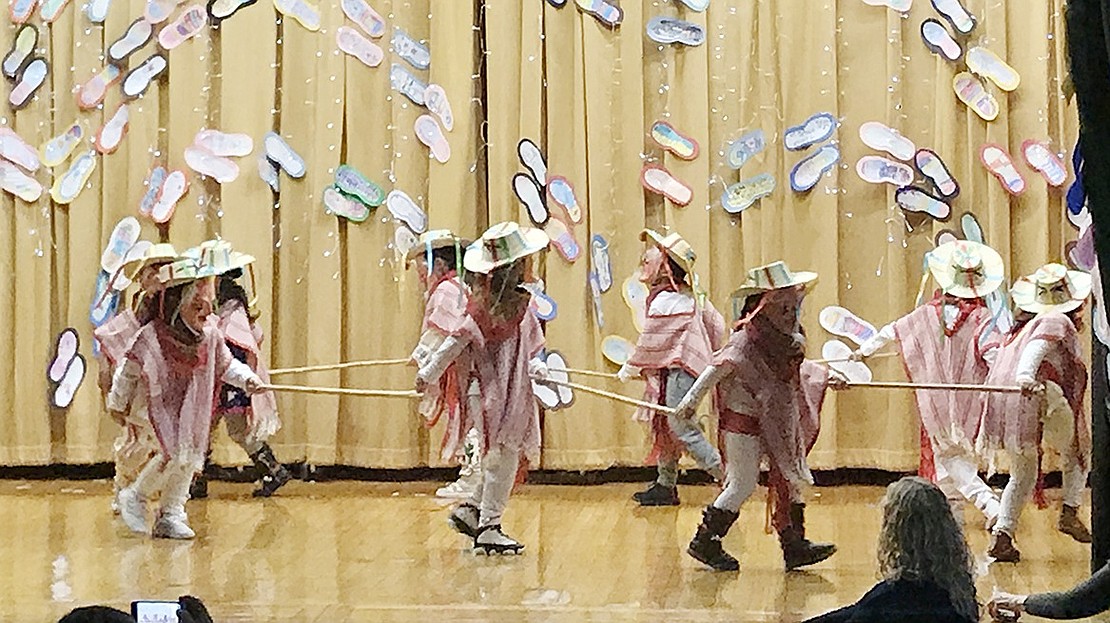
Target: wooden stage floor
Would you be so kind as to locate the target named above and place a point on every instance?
(346, 552)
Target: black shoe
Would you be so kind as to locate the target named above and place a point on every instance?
(657, 495)
(199, 489)
(464, 519)
(274, 475)
(797, 550)
(706, 544)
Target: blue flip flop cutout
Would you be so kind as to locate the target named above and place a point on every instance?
(833, 123)
(799, 188)
(745, 148)
(99, 314)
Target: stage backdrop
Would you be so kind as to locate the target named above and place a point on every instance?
(587, 95)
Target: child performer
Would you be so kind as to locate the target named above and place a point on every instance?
(169, 375)
(1043, 355)
(945, 341)
(676, 345)
(769, 402)
(438, 260)
(504, 338)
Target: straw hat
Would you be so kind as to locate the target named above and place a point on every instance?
(182, 270)
(966, 269)
(503, 244)
(1053, 288)
(774, 276)
(434, 239)
(675, 246)
(216, 257)
(160, 253)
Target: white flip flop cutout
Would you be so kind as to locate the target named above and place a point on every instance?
(998, 161)
(562, 194)
(32, 78)
(745, 148)
(696, 5)
(97, 10)
(531, 197)
(562, 238)
(403, 240)
(960, 19)
(879, 170)
(557, 370)
(595, 298)
(70, 383)
(603, 11)
(66, 346)
(945, 236)
(57, 149)
(124, 236)
(670, 139)
(660, 181)
(305, 13)
(134, 254)
(991, 66)
(743, 194)
(533, 160)
(113, 131)
(268, 172)
(361, 13)
(138, 34)
(837, 353)
(667, 30)
(13, 180)
(884, 138)
(104, 302)
(153, 183)
(915, 199)
(70, 184)
(402, 81)
(936, 171)
(158, 11)
(411, 50)
(138, 80)
(187, 25)
(351, 42)
(14, 149)
(435, 99)
(842, 322)
(341, 205)
(939, 41)
(973, 94)
(404, 209)
(617, 349)
(284, 156)
(23, 46)
(599, 261)
(817, 129)
(1043, 161)
(352, 182)
(208, 164)
(219, 10)
(429, 133)
(224, 144)
(635, 294)
(902, 6)
(805, 175)
(21, 10)
(50, 10)
(973, 231)
(172, 190)
(94, 91)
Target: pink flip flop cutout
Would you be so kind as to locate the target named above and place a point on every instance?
(14, 149)
(66, 346)
(113, 131)
(428, 131)
(210, 165)
(173, 189)
(997, 160)
(1045, 162)
(187, 25)
(660, 181)
(93, 92)
(351, 42)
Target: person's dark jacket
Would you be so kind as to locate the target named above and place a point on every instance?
(904, 601)
(1086, 600)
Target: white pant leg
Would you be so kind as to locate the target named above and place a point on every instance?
(958, 471)
(151, 478)
(1018, 492)
(499, 467)
(175, 491)
(1075, 480)
(742, 455)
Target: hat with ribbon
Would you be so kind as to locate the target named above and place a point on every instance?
(1053, 288)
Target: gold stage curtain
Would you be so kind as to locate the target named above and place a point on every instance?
(587, 95)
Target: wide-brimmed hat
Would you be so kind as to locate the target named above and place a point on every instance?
(160, 253)
(503, 244)
(773, 276)
(182, 270)
(434, 239)
(217, 257)
(1053, 288)
(966, 269)
(675, 246)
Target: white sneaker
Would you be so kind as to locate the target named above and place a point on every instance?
(171, 526)
(132, 509)
(461, 489)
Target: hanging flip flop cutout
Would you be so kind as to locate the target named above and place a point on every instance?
(208, 164)
(57, 149)
(998, 162)
(351, 42)
(412, 51)
(404, 209)
(124, 236)
(104, 300)
(917, 199)
(93, 92)
(841, 322)
(171, 191)
(971, 228)
(403, 241)
(1045, 162)
(278, 150)
(134, 254)
(70, 184)
(670, 139)
(30, 80)
(635, 294)
(667, 30)
(97, 10)
(659, 180)
(837, 353)
(158, 11)
(219, 10)
(269, 172)
(595, 298)
(21, 10)
(939, 42)
(561, 233)
(743, 194)
(902, 6)
(225, 144)
(561, 192)
(975, 96)
(696, 5)
(187, 25)
(880, 137)
(435, 100)
(552, 395)
(743, 149)
(361, 13)
(138, 80)
(599, 262)
(341, 205)
(958, 17)
(351, 182)
(138, 34)
(617, 350)
(66, 346)
(14, 181)
(929, 164)
(531, 197)
(603, 11)
(541, 305)
(70, 383)
(817, 129)
(402, 81)
(879, 170)
(945, 236)
(431, 135)
(23, 46)
(303, 12)
(14, 149)
(989, 65)
(805, 175)
(532, 158)
(111, 134)
(50, 10)
(153, 184)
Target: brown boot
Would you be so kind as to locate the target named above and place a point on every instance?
(1070, 524)
(1002, 548)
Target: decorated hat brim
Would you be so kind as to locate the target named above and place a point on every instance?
(475, 260)
(800, 278)
(1024, 293)
(940, 266)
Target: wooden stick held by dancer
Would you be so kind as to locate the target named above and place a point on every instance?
(340, 366)
(610, 395)
(937, 386)
(593, 373)
(343, 391)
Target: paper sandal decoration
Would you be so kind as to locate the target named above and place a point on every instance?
(971, 228)
(268, 172)
(93, 92)
(283, 155)
(837, 353)
(23, 46)
(70, 383)
(635, 295)
(745, 148)
(66, 346)
(429, 133)
(104, 300)
(219, 10)
(50, 10)
(743, 194)
(97, 10)
(617, 350)
(562, 195)
(989, 65)
(997, 160)
(1045, 162)
(14, 149)
(917, 199)
(361, 13)
(412, 51)
(660, 181)
(208, 164)
(224, 144)
(531, 197)
(667, 30)
(136, 36)
(402, 81)
(403, 242)
(134, 255)
(21, 10)
(404, 209)
(350, 42)
(30, 80)
(111, 134)
(945, 236)
(543, 306)
(958, 17)
(435, 99)
(558, 4)
(933, 168)
(138, 80)
(305, 13)
(696, 5)
(816, 129)
(350, 182)
(973, 94)
(939, 42)
(879, 170)
(533, 160)
(599, 261)
(124, 236)
(670, 139)
(562, 238)
(605, 12)
(842, 322)
(13, 180)
(70, 184)
(341, 205)
(883, 138)
(805, 175)
(170, 193)
(595, 298)
(153, 183)
(552, 396)
(57, 149)
(902, 6)
(188, 24)
(158, 11)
